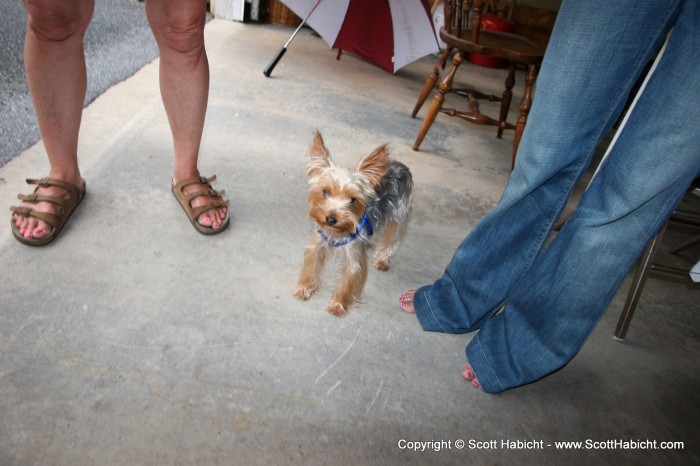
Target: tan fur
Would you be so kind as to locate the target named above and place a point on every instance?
(337, 201)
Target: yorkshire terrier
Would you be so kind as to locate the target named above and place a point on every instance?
(355, 211)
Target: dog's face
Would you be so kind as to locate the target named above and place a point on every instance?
(338, 196)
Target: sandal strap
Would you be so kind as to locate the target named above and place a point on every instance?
(34, 198)
(72, 189)
(198, 180)
(218, 202)
(207, 192)
(75, 195)
(197, 211)
(52, 219)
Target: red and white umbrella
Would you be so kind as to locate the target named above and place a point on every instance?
(389, 33)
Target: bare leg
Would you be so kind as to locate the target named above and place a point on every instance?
(178, 27)
(55, 66)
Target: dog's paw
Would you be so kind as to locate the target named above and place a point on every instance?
(303, 292)
(337, 309)
(381, 265)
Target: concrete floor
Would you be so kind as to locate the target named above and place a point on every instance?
(134, 340)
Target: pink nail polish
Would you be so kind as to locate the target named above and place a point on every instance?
(467, 373)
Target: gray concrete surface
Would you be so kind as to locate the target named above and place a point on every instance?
(117, 44)
(132, 339)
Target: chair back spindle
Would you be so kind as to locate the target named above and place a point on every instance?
(476, 20)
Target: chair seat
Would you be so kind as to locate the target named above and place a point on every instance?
(503, 45)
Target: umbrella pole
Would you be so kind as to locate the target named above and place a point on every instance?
(278, 57)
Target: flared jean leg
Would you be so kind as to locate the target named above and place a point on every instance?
(553, 307)
(582, 88)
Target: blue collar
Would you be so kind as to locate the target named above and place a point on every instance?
(364, 222)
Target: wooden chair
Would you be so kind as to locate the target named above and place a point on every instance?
(463, 35)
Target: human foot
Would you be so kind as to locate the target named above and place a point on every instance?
(468, 374)
(204, 206)
(406, 301)
(42, 214)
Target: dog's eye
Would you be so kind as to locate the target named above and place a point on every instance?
(325, 193)
(352, 200)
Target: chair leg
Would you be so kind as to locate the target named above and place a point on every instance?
(506, 100)
(525, 105)
(431, 81)
(640, 278)
(438, 100)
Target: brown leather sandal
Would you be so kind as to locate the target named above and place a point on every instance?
(57, 221)
(193, 213)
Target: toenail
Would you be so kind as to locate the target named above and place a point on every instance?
(468, 373)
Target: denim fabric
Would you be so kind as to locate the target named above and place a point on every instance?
(534, 307)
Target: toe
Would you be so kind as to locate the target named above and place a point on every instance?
(36, 229)
(215, 218)
(41, 231)
(205, 220)
(406, 302)
(468, 374)
(27, 227)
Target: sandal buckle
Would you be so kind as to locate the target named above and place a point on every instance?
(23, 211)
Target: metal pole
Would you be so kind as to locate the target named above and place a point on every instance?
(281, 51)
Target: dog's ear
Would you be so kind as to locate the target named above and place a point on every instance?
(319, 157)
(375, 165)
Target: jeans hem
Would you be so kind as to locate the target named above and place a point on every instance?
(424, 312)
(482, 368)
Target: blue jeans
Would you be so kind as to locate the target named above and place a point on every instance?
(534, 306)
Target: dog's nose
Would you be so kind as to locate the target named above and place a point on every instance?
(331, 220)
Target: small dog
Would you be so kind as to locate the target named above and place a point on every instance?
(354, 211)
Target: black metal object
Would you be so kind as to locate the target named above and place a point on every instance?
(268, 70)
